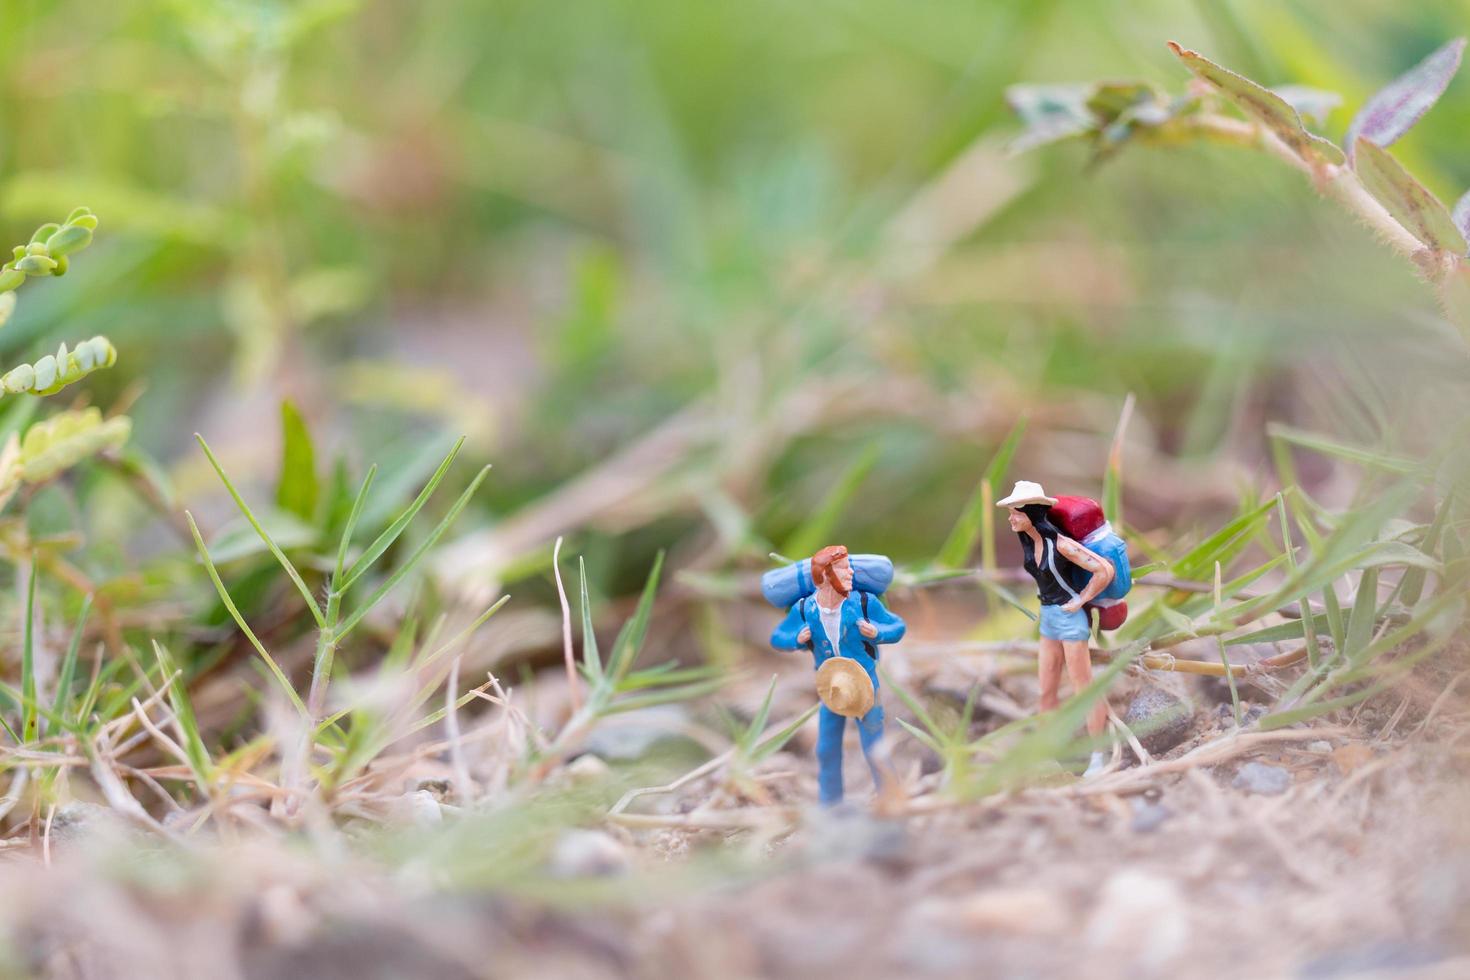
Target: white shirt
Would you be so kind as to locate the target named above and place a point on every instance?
(832, 623)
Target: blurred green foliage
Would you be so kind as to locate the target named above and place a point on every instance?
(791, 229)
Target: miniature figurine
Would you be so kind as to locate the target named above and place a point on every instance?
(837, 614)
(1071, 579)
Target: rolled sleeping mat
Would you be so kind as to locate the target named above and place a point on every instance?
(783, 586)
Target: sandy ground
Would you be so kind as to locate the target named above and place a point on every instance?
(1347, 855)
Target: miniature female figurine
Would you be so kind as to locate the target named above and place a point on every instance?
(1056, 562)
(842, 627)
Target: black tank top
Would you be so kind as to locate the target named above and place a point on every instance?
(1051, 564)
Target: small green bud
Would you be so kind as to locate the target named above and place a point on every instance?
(19, 251)
(78, 212)
(10, 278)
(36, 248)
(44, 232)
(36, 265)
(65, 241)
(61, 266)
(87, 221)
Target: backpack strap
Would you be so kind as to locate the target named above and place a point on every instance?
(871, 648)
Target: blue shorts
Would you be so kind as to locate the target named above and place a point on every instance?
(1057, 624)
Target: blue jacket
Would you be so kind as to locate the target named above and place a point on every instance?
(851, 642)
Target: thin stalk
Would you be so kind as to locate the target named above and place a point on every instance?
(1220, 644)
(1309, 623)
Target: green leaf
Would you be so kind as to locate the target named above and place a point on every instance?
(1400, 104)
(298, 488)
(1461, 214)
(1312, 104)
(1406, 199)
(1262, 105)
(1050, 113)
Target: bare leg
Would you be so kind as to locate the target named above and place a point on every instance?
(1049, 672)
(1079, 668)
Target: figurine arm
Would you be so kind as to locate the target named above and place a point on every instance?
(1100, 567)
(784, 636)
(890, 627)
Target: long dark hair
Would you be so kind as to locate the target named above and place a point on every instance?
(1040, 517)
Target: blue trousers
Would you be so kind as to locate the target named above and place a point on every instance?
(830, 729)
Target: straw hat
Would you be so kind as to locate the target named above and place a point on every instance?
(845, 687)
(1025, 493)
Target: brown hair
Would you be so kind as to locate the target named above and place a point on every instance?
(822, 562)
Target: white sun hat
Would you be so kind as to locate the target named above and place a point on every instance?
(1025, 493)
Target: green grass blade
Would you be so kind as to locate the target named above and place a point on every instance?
(178, 699)
(224, 596)
(814, 532)
(1363, 616)
(1412, 584)
(1335, 622)
(1199, 562)
(591, 658)
(390, 534)
(762, 714)
(1112, 501)
(773, 743)
(1331, 447)
(270, 543)
(351, 525)
(413, 560)
(68, 673)
(630, 637)
(28, 725)
(1309, 624)
(977, 514)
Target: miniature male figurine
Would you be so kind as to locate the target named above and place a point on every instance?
(842, 628)
(1057, 562)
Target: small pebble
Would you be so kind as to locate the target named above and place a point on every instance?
(1257, 777)
(1148, 817)
(1159, 719)
(588, 854)
(587, 769)
(1319, 747)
